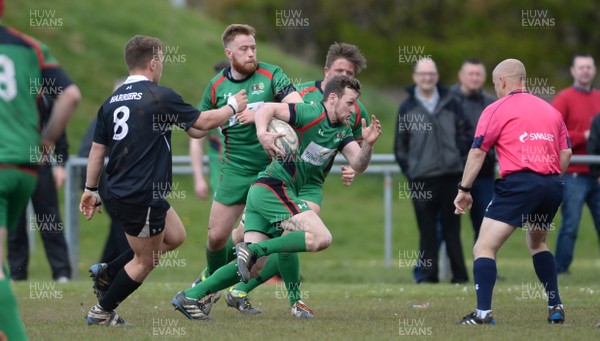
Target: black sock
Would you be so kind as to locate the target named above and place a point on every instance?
(545, 268)
(121, 287)
(119, 263)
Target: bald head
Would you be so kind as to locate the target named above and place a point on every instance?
(509, 75)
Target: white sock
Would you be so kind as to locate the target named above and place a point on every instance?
(482, 313)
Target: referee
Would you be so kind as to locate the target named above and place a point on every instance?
(534, 150)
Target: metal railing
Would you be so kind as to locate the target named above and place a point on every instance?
(384, 164)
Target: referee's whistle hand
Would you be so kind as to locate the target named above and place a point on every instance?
(463, 201)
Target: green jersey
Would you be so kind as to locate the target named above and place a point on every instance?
(27, 70)
(312, 92)
(318, 140)
(267, 84)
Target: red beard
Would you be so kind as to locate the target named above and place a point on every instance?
(244, 68)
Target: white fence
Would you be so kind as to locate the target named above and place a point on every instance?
(380, 164)
(383, 164)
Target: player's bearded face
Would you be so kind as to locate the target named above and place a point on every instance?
(244, 67)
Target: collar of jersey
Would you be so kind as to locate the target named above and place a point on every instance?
(519, 91)
(135, 78)
(229, 76)
(318, 85)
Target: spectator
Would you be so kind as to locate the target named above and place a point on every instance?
(578, 104)
(52, 175)
(473, 99)
(432, 139)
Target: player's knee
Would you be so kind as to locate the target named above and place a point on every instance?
(179, 238)
(323, 240)
(148, 262)
(217, 237)
(478, 250)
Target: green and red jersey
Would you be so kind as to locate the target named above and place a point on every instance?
(27, 70)
(311, 93)
(318, 139)
(267, 84)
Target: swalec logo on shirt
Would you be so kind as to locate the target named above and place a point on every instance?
(536, 136)
(523, 137)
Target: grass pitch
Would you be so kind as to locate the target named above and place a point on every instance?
(343, 312)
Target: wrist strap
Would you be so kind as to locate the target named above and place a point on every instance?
(92, 189)
(231, 101)
(232, 108)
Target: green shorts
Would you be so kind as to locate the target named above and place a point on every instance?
(16, 187)
(312, 192)
(234, 184)
(270, 202)
(214, 169)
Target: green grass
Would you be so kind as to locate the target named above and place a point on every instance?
(354, 298)
(361, 311)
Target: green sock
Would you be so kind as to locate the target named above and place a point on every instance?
(289, 267)
(224, 277)
(230, 250)
(288, 243)
(10, 322)
(269, 270)
(215, 260)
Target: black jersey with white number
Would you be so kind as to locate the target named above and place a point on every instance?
(135, 124)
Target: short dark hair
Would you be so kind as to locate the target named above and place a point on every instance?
(472, 61)
(139, 50)
(234, 30)
(338, 84)
(220, 65)
(580, 55)
(348, 52)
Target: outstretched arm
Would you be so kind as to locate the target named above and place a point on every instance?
(359, 157)
(211, 119)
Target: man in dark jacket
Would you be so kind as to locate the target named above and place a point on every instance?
(432, 140)
(473, 99)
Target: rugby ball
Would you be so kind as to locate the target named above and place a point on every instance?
(289, 142)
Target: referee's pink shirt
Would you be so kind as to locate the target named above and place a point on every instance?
(528, 134)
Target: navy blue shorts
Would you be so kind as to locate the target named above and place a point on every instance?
(141, 220)
(526, 199)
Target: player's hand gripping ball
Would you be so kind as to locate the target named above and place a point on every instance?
(288, 144)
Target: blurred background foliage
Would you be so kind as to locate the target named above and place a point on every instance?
(447, 30)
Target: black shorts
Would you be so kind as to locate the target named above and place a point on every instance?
(140, 220)
(526, 199)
